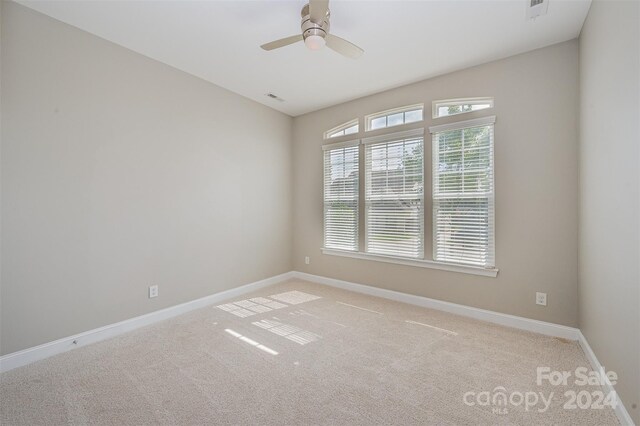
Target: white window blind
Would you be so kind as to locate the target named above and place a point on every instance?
(341, 196)
(394, 194)
(463, 193)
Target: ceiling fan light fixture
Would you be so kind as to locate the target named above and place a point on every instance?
(315, 32)
(314, 42)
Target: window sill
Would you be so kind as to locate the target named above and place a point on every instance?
(473, 270)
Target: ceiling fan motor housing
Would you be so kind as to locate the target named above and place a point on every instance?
(310, 28)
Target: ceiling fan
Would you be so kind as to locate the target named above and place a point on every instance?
(315, 32)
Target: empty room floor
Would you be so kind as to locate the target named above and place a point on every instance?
(300, 353)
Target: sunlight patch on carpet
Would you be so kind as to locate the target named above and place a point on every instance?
(294, 297)
(293, 333)
(251, 342)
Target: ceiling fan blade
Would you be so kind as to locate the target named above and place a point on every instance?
(343, 47)
(318, 10)
(282, 42)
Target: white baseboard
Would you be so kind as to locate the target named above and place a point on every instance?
(513, 321)
(36, 353)
(620, 410)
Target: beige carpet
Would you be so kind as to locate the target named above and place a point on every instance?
(299, 353)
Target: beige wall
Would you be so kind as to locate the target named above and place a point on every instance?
(609, 275)
(119, 172)
(536, 151)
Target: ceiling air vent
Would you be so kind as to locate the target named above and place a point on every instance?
(536, 8)
(272, 96)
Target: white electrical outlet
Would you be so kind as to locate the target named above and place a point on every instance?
(541, 299)
(153, 291)
(307, 260)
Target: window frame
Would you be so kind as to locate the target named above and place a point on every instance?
(359, 253)
(409, 108)
(435, 105)
(326, 149)
(386, 138)
(331, 133)
(461, 125)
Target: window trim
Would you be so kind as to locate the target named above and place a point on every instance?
(460, 101)
(338, 145)
(341, 127)
(370, 117)
(390, 137)
(421, 263)
(457, 125)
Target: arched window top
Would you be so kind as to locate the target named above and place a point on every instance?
(394, 117)
(450, 107)
(348, 128)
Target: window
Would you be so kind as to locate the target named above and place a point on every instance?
(394, 200)
(394, 117)
(460, 106)
(390, 225)
(341, 196)
(463, 193)
(347, 128)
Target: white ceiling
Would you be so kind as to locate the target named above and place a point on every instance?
(404, 41)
